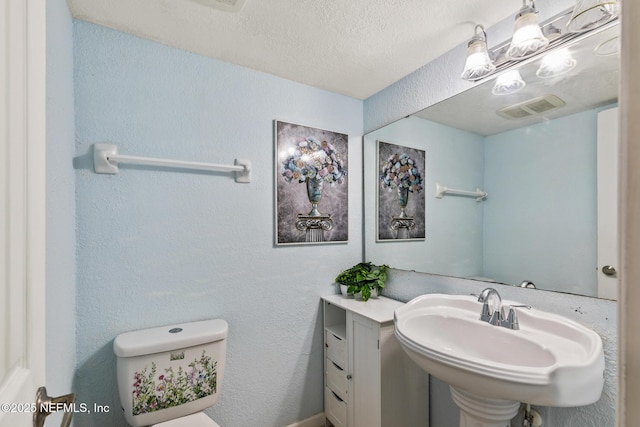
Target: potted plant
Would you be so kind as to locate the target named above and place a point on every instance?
(364, 278)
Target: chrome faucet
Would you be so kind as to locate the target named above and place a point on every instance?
(489, 307)
(493, 312)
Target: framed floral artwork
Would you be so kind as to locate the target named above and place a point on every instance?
(400, 201)
(311, 185)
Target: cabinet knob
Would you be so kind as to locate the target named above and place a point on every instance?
(349, 376)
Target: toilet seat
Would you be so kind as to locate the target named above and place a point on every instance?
(199, 419)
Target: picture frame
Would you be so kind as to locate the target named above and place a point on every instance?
(311, 185)
(400, 215)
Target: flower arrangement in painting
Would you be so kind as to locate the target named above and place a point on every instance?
(401, 171)
(313, 159)
(172, 389)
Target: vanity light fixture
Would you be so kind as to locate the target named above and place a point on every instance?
(532, 39)
(478, 63)
(590, 14)
(527, 35)
(556, 63)
(508, 83)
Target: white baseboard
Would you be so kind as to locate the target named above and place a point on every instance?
(315, 421)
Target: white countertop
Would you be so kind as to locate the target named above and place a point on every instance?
(377, 309)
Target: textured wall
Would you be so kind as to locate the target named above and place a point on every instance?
(599, 315)
(61, 215)
(156, 247)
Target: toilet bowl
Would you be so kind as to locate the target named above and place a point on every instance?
(198, 419)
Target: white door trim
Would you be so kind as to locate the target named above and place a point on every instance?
(36, 186)
(22, 205)
(629, 294)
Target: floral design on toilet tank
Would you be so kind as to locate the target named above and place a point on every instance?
(153, 392)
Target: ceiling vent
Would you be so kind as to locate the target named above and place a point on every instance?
(532, 107)
(226, 5)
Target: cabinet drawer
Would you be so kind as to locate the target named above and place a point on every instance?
(337, 379)
(336, 349)
(335, 408)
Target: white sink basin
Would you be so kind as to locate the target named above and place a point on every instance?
(550, 361)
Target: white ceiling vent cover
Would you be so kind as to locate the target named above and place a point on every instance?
(226, 5)
(532, 107)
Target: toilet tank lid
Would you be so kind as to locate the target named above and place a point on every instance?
(171, 337)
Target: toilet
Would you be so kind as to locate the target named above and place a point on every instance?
(168, 375)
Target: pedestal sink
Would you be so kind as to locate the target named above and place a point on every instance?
(550, 361)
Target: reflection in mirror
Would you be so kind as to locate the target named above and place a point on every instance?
(535, 151)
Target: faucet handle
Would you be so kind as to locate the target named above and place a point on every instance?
(497, 318)
(486, 313)
(512, 318)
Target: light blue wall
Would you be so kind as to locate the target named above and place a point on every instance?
(543, 211)
(60, 202)
(453, 225)
(156, 247)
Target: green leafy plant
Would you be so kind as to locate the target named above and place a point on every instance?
(363, 277)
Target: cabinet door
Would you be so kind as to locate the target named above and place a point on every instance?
(365, 368)
(404, 386)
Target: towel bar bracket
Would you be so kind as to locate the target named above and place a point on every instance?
(101, 163)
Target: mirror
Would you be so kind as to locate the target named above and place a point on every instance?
(535, 152)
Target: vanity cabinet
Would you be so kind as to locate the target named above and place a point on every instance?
(369, 381)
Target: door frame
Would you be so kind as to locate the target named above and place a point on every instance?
(629, 234)
(23, 80)
(36, 187)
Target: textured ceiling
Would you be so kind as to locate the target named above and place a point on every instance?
(352, 47)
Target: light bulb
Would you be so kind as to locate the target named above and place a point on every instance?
(508, 83)
(527, 35)
(556, 63)
(478, 63)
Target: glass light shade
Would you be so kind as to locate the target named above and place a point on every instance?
(608, 47)
(590, 14)
(527, 36)
(556, 63)
(508, 83)
(478, 63)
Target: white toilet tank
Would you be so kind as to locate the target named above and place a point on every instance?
(168, 372)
